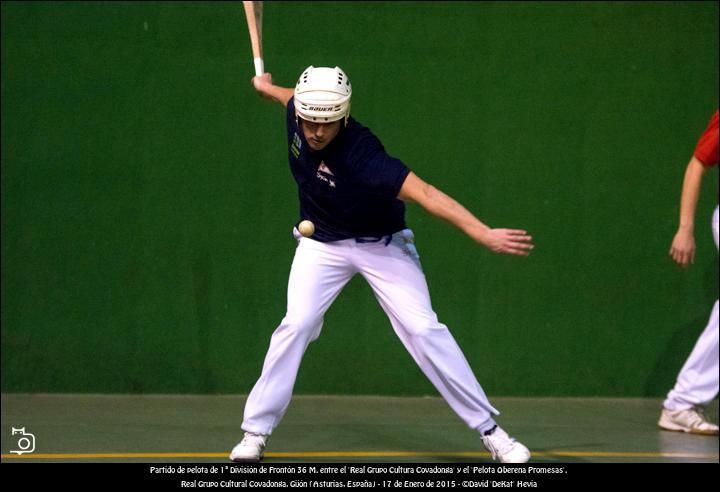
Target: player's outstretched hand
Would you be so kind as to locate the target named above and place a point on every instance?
(682, 249)
(508, 241)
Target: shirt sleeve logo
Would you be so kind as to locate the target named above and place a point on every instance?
(296, 146)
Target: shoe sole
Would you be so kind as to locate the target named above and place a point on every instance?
(677, 428)
(526, 458)
(247, 460)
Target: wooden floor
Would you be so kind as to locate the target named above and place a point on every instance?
(174, 428)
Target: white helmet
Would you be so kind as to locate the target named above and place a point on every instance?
(323, 95)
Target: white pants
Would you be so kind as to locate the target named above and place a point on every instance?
(697, 383)
(319, 272)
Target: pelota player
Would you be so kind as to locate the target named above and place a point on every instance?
(354, 193)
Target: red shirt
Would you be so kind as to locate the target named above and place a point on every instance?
(706, 150)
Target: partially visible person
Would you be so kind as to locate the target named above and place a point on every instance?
(697, 383)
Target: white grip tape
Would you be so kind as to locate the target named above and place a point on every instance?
(259, 67)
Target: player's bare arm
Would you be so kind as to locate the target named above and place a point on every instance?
(264, 86)
(682, 249)
(437, 203)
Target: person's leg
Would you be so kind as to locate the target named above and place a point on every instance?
(319, 272)
(697, 383)
(395, 275)
(399, 284)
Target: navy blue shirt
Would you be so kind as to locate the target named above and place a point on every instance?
(348, 189)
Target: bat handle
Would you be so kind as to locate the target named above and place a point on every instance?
(259, 66)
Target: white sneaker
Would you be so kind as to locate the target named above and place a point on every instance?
(504, 448)
(251, 449)
(691, 420)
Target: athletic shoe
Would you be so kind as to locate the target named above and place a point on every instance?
(250, 450)
(691, 420)
(504, 448)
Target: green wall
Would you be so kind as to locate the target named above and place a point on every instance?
(147, 203)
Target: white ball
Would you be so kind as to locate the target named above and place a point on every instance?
(306, 228)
